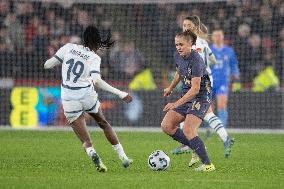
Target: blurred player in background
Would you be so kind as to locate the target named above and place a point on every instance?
(195, 101)
(80, 72)
(193, 23)
(224, 71)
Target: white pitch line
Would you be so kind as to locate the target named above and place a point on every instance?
(140, 129)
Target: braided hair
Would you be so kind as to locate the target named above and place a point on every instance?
(92, 39)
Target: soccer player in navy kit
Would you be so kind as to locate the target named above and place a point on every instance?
(195, 100)
(194, 24)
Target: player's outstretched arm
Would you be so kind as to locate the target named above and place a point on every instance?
(50, 63)
(175, 81)
(105, 86)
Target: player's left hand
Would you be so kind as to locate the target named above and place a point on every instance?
(127, 99)
(169, 106)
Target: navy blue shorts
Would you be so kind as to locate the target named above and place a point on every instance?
(197, 107)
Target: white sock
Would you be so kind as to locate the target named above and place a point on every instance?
(181, 125)
(90, 151)
(120, 152)
(216, 124)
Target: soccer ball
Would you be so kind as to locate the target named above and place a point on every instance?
(158, 161)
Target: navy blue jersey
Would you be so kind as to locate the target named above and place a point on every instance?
(190, 67)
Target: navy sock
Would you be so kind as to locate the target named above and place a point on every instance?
(180, 137)
(197, 145)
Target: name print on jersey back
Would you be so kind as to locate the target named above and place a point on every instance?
(80, 54)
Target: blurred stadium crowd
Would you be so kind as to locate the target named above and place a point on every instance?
(32, 31)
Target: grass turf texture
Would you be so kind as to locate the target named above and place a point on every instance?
(33, 159)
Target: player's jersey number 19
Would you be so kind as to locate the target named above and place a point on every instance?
(76, 67)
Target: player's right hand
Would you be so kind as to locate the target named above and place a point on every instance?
(127, 99)
(167, 91)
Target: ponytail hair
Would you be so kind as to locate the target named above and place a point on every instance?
(188, 35)
(92, 39)
(200, 29)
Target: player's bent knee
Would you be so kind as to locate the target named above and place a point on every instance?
(165, 127)
(190, 133)
(222, 104)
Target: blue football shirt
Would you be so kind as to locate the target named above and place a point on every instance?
(226, 65)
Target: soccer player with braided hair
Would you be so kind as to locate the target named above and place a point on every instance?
(80, 72)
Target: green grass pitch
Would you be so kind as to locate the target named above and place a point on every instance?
(33, 159)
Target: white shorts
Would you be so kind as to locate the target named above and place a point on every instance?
(74, 108)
